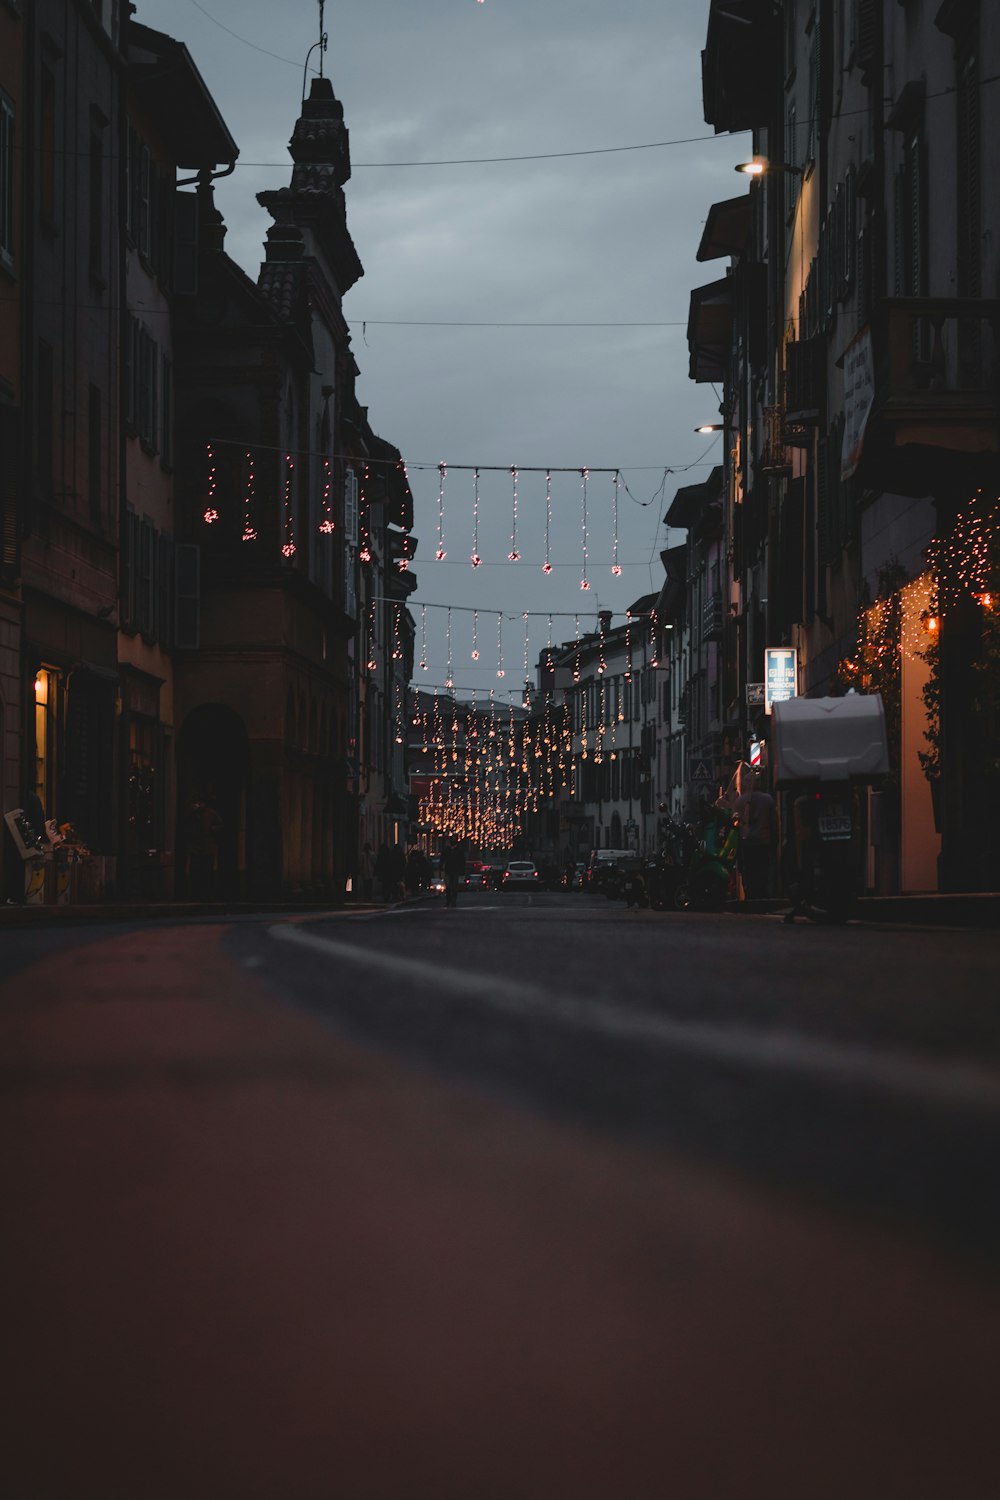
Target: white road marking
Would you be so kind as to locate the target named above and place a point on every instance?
(954, 1083)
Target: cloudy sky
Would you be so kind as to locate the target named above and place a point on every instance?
(602, 238)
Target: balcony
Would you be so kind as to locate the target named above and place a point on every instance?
(936, 372)
(934, 401)
(775, 457)
(712, 616)
(804, 371)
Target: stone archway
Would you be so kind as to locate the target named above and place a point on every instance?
(213, 765)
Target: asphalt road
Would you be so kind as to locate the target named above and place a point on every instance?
(860, 1067)
(535, 1198)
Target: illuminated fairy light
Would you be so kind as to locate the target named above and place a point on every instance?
(628, 645)
(327, 526)
(576, 660)
(371, 632)
(441, 554)
(475, 635)
(601, 663)
(449, 680)
(654, 640)
(527, 628)
(249, 533)
(288, 545)
(615, 565)
(397, 642)
(500, 668)
(513, 555)
(365, 551)
(584, 475)
(210, 514)
(475, 559)
(423, 638)
(547, 564)
(548, 648)
(404, 560)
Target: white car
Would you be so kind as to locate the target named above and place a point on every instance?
(520, 872)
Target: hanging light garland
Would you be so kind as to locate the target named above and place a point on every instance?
(547, 564)
(211, 513)
(364, 508)
(615, 565)
(288, 545)
(327, 525)
(500, 667)
(423, 638)
(475, 559)
(513, 555)
(585, 475)
(249, 533)
(475, 635)
(449, 681)
(441, 554)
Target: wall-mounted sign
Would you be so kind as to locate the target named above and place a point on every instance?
(700, 771)
(755, 695)
(781, 675)
(859, 396)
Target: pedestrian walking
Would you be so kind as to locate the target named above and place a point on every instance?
(453, 869)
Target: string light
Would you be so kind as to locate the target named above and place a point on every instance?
(585, 475)
(547, 564)
(365, 551)
(476, 559)
(449, 681)
(615, 566)
(500, 670)
(475, 635)
(248, 534)
(441, 554)
(288, 545)
(513, 555)
(327, 525)
(423, 638)
(210, 514)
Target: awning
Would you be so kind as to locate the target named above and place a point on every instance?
(727, 229)
(710, 323)
(692, 500)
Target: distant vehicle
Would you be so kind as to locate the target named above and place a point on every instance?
(602, 864)
(477, 876)
(521, 872)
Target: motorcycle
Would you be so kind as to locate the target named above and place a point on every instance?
(707, 862)
(826, 751)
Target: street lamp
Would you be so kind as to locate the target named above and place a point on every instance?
(711, 427)
(758, 166)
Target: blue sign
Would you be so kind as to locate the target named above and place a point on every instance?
(781, 675)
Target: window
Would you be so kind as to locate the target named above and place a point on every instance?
(6, 180)
(166, 413)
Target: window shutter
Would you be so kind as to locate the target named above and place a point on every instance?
(165, 590)
(867, 32)
(187, 596)
(351, 507)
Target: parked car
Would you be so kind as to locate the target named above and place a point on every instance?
(477, 876)
(523, 873)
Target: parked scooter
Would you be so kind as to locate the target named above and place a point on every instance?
(826, 751)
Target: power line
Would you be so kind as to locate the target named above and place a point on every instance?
(463, 323)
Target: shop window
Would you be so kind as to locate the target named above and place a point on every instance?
(48, 696)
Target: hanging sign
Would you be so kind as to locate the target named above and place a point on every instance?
(780, 675)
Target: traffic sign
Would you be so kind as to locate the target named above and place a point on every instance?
(700, 771)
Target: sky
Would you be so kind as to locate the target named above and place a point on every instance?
(604, 238)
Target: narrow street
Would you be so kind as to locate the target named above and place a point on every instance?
(533, 1198)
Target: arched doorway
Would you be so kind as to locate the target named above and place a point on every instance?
(213, 765)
